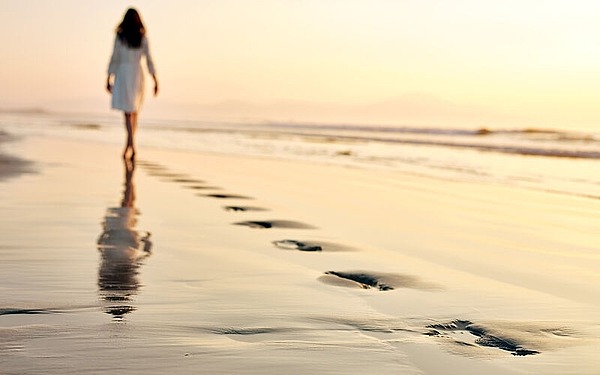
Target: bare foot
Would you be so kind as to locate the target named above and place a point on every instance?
(126, 153)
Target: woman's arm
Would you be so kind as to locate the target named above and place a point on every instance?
(109, 85)
(112, 65)
(150, 64)
(155, 84)
(115, 58)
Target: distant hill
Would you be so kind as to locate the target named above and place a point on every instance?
(24, 110)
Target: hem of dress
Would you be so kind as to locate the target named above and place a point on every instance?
(126, 110)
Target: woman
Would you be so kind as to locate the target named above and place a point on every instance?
(125, 75)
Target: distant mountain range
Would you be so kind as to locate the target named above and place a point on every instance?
(24, 110)
(410, 109)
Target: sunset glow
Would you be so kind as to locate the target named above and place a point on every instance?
(432, 62)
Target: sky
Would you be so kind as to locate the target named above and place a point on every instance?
(426, 62)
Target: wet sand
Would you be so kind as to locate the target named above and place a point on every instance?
(11, 166)
(190, 263)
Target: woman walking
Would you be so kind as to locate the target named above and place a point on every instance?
(125, 75)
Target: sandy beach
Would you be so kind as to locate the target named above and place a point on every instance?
(204, 263)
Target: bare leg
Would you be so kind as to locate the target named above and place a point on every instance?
(134, 119)
(130, 126)
(128, 129)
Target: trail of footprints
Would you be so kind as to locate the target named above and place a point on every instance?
(479, 334)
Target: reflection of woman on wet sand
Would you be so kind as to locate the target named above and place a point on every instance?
(122, 249)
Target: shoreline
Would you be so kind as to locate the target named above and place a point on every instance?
(331, 266)
(464, 157)
(11, 166)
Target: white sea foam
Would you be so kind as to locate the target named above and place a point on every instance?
(544, 159)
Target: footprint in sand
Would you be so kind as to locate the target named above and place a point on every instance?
(168, 176)
(157, 170)
(203, 187)
(149, 165)
(243, 208)
(226, 196)
(380, 281)
(311, 246)
(297, 245)
(480, 335)
(185, 180)
(356, 279)
(275, 224)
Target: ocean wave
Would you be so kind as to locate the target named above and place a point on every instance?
(519, 150)
(529, 133)
(528, 141)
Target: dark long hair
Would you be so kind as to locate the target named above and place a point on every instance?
(131, 30)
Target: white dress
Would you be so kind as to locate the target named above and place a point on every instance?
(126, 65)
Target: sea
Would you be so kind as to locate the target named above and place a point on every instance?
(561, 161)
